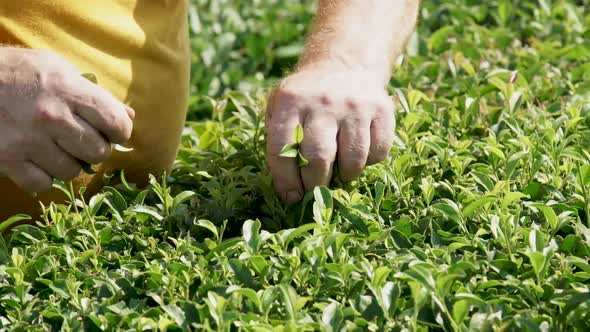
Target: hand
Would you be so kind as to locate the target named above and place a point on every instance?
(52, 118)
(347, 117)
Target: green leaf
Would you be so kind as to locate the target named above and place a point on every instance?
(484, 180)
(175, 312)
(379, 193)
(403, 101)
(358, 222)
(323, 205)
(298, 135)
(87, 168)
(549, 214)
(513, 162)
(460, 310)
(251, 233)
(6, 224)
(301, 161)
(146, 210)
(400, 240)
(583, 175)
(91, 77)
(259, 264)
(332, 317)
(115, 199)
(289, 151)
(569, 243)
(515, 101)
(536, 190)
(437, 39)
(511, 198)
(208, 225)
(248, 293)
(478, 203)
(536, 241)
(289, 234)
(289, 297)
(538, 261)
(496, 152)
(450, 210)
(435, 148)
(241, 272)
(181, 198)
(380, 275)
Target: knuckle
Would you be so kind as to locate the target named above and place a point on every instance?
(284, 97)
(24, 142)
(325, 100)
(43, 113)
(102, 153)
(98, 154)
(353, 104)
(53, 80)
(320, 154)
(41, 184)
(384, 107)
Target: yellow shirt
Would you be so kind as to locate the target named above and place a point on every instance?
(138, 49)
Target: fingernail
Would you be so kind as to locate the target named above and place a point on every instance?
(130, 112)
(293, 196)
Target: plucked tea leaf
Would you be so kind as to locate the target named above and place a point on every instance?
(298, 135)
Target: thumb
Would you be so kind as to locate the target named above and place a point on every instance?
(130, 112)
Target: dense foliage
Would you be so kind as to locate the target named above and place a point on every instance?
(479, 220)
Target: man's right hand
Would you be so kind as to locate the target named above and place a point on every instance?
(52, 118)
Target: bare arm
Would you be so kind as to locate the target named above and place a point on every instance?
(365, 34)
(338, 94)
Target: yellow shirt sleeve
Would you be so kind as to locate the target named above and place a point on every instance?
(138, 49)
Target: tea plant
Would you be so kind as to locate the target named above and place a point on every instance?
(478, 220)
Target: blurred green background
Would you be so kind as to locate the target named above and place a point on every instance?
(240, 45)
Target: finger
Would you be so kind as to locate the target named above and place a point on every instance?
(72, 133)
(28, 176)
(354, 140)
(83, 142)
(319, 148)
(281, 122)
(382, 134)
(130, 112)
(56, 162)
(101, 110)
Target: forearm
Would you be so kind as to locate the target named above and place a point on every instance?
(362, 35)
